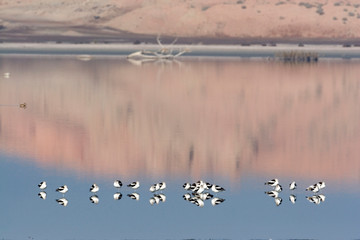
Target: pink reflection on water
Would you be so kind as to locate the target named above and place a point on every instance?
(196, 118)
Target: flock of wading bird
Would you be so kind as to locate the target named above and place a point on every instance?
(197, 197)
(317, 197)
(197, 193)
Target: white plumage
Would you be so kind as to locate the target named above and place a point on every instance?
(217, 201)
(62, 201)
(94, 199)
(273, 194)
(42, 195)
(278, 201)
(292, 198)
(272, 182)
(278, 188)
(216, 188)
(134, 185)
(94, 188)
(62, 189)
(118, 184)
(117, 196)
(42, 185)
(292, 186)
(134, 196)
(186, 186)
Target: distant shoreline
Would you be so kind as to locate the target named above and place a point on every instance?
(119, 49)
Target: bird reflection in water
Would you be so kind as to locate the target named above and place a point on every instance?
(94, 199)
(62, 201)
(134, 196)
(157, 198)
(42, 195)
(117, 196)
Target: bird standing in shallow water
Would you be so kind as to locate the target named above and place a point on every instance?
(278, 201)
(117, 196)
(134, 185)
(94, 188)
(62, 201)
(292, 198)
(118, 184)
(272, 182)
(42, 195)
(42, 185)
(292, 186)
(134, 196)
(94, 199)
(216, 188)
(62, 189)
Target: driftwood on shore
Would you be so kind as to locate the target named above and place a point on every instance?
(165, 52)
(297, 56)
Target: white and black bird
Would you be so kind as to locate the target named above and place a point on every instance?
(321, 197)
(278, 201)
(292, 198)
(313, 188)
(186, 196)
(42, 185)
(198, 202)
(152, 201)
(155, 187)
(134, 185)
(161, 196)
(118, 184)
(134, 196)
(321, 185)
(217, 201)
(62, 201)
(278, 188)
(94, 188)
(292, 186)
(203, 196)
(272, 182)
(94, 199)
(187, 186)
(217, 188)
(117, 196)
(162, 185)
(42, 195)
(273, 194)
(62, 189)
(314, 199)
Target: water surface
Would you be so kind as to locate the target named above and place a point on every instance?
(236, 123)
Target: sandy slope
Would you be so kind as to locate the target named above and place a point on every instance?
(289, 19)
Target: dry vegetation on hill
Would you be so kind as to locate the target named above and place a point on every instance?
(289, 19)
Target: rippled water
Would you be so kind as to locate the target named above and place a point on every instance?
(235, 123)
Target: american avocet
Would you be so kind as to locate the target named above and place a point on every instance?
(134, 196)
(94, 188)
(217, 188)
(134, 185)
(94, 199)
(278, 188)
(117, 196)
(62, 201)
(42, 195)
(273, 194)
(292, 198)
(118, 184)
(42, 185)
(217, 201)
(62, 189)
(278, 201)
(272, 182)
(292, 186)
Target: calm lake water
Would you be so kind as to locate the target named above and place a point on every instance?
(235, 123)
